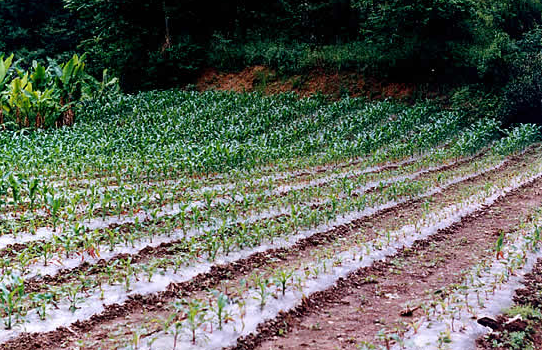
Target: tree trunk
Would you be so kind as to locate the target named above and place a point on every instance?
(38, 120)
(68, 117)
(167, 41)
(18, 114)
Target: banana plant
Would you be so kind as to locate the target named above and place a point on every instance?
(18, 103)
(43, 107)
(46, 97)
(40, 77)
(69, 79)
(107, 88)
(5, 65)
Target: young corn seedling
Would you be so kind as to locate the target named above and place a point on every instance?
(281, 279)
(11, 296)
(41, 301)
(127, 273)
(444, 339)
(173, 320)
(262, 291)
(535, 238)
(150, 270)
(32, 191)
(15, 186)
(194, 314)
(47, 252)
(499, 245)
(72, 292)
(384, 336)
(54, 209)
(220, 309)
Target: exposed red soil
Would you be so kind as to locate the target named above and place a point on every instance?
(335, 84)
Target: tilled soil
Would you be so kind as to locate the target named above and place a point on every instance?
(531, 328)
(378, 297)
(476, 244)
(169, 249)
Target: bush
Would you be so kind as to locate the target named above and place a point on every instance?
(174, 65)
(474, 102)
(289, 58)
(523, 94)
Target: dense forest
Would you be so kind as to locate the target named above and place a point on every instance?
(492, 49)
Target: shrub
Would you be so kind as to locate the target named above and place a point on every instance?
(474, 102)
(173, 65)
(523, 94)
(517, 138)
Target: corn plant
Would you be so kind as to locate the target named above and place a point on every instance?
(72, 292)
(220, 308)
(262, 291)
(499, 254)
(41, 301)
(15, 186)
(11, 296)
(54, 204)
(281, 279)
(195, 314)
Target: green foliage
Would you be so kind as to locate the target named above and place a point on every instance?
(474, 102)
(527, 312)
(523, 94)
(519, 340)
(39, 29)
(476, 136)
(426, 36)
(517, 138)
(44, 97)
(11, 294)
(214, 131)
(287, 57)
(142, 42)
(156, 44)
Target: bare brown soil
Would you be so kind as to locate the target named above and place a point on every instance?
(260, 78)
(503, 327)
(138, 308)
(378, 297)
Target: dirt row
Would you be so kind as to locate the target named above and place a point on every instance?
(521, 326)
(154, 303)
(170, 249)
(388, 295)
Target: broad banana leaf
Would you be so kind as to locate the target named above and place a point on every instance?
(39, 76)
(4, 68)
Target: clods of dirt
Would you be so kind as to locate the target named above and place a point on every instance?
(335, 84)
